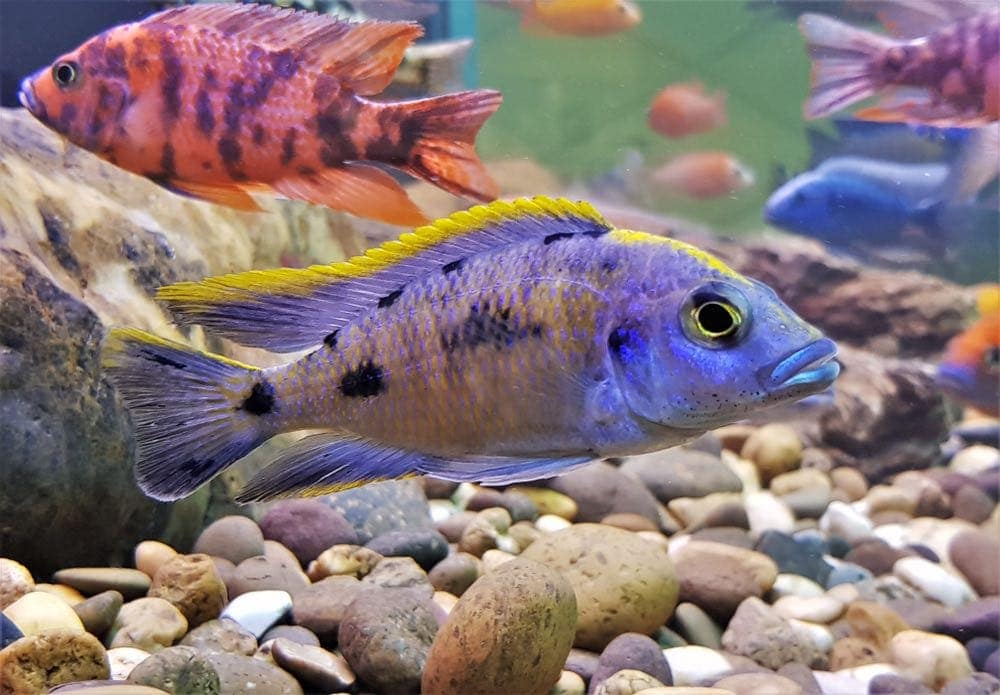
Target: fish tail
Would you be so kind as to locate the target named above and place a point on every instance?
(444, 148)
(842, 69)
(193, 413)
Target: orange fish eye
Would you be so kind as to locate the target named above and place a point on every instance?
(66, 73)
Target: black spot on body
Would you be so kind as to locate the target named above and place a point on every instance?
(598, 232)
(551, 238)
(114, 61)
(66, 117)
(203, 111)
(334, 127)
(261, 399)
(365, 381)
(486, 327)
(453, 266)
(331, 339)
(257, 134)
(389, 299)
(173, 78)
(231, 154)
(288, 146)
(161, 359)
(284, 64)
(167, 162)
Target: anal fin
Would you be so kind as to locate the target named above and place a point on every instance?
(358, 189)
(231, 195)
(502, 470)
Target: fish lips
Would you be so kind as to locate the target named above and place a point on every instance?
(26, 96)
(809, 369)
(954, 378)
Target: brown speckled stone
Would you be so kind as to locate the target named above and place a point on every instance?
(193, 585)
(35, 663)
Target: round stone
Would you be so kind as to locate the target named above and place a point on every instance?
(758, 632)
(177, 670)
(850, 481)
(38, 611)
(67, 593)
(681, 472)
(385, 636)
(455, 573)
(483, 532)
(850, 652)
(821, 609)
(934, 581)
(237, 673)
(770, 683)
(875, 555)
(842, 520)
(221, 636)
(307, 527)
(629, 522)
(627, 682)
(321, 606)
(147, 623)
(934, 660)
(794, 556)
(874, 622)
(775, 449)
(93, 580)
(314, 666)
(426, 546)
(622, 582)
(399, 573)
(717, 577)
(631, 651)
(376, 508)
(601, 489)
(35, 663)
(261, 573)
(234, 538)
(256, 611)
(122, 661)
(765, 512)
(697, 626)
(976, 554)
(292, 633)
(98, 612)
(569, 683)
(15, 582)
(347, 560)
(549, 501)
(975, 459)
(193, 585)
(149, 555)
(510, 632)
(693, 665)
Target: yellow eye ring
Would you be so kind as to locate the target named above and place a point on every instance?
(716, 319)
(716, 315)
(66, 73)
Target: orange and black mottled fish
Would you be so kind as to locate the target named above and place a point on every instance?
(217, 101)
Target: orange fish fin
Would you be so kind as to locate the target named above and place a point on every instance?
(358, 189)
(229, 194)
(363, 56)
(444, 151)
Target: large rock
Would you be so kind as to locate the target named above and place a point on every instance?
(84, 245)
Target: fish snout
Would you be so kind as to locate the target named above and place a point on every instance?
(809, 369)
(26, 95)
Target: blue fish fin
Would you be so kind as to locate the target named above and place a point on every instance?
(975, 167)
(289, 309)
(193, 413)
(502, 470)
(329, 462)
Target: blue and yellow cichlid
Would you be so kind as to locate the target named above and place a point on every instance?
(508, 342)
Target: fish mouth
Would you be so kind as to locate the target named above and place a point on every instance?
(807, 370)
(26, 95)
(952, 378)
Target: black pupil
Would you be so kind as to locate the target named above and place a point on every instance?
(65, 73)
(993, 357)
(714, 318)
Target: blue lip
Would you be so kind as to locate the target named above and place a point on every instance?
(812, 365)
(953, 377)
(27, 95)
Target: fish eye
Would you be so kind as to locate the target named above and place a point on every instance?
(991, 358)
(65, 73)
(715, 315)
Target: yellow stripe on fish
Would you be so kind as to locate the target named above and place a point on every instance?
(627, 236)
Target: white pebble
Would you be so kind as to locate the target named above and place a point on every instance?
(818, 609)
(463, 493)
(441, 510)
(795, 585)
(934, 581)
(817, 635)
(569, 683)
(123, 659)
(744, 470)
(493, 558)
(851, 681)
(766, 512)
(692, 665)
(932, 659)
(257, 611)
(840, 519)
(975, 459)
(550, 523)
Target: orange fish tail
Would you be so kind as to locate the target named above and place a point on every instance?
(443, 151)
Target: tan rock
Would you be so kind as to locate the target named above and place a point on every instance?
(15, 581)
(35, 663)
(717, 577)
(759, 683)
(883, 498)
(819, 609)
(627, 682)
(775, 449)
(67, 593)
(147, 623)
(874, 622)
(849, 652)
(38, 611)
(549, 501)
(934, 660)
(149, 555)
(193, 585)
(692, 511)
(348, 560)
(802, 479)
(850, 481)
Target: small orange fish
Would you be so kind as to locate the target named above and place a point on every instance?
(683, 109)
(704, 175)
(579, 17)
(970, 369)
(217, 101)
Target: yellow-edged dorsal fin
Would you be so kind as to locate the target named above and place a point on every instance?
(289, 309)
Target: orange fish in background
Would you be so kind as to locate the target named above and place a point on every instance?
(577, 17)
(969, 372)
(683, 109)
(704, 175)
(217, 101)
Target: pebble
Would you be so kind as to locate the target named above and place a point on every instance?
(975, 684)
(222, 636)
(240, 674)
(766, 512)
(106, 687)
(320, 607)
(38, 611)
(349, 560)
(234, 538)
(717, 577)
(882, 498)
(972, 504)
(484, 530)
(891, 684)
(934, 660)
(293, 633)
(256, 611)
(260, 573)
(758, 632)
(976, 619)
(875, 555)
(549, 501)
(494, 558)
(774, 449)
(681, 472)
(147, 623)
(122, 660)
(847, 573)
(601, 489)
(569, 683)
(975, 459)
(692, 665)
(455, 573)
(874, 622)
(306, 527)
(850, 481)
(712, 509)
(38, 662)
(753, 683)
(520, 505)
(15, 582)
(392, 505)
(9, 632)
(843, 520)
(149, 555)
(510, 632)
(582, 662)
(850, 652)
(178, 670)
(803, 675)
(820, 609)
(622, 582)
(550, 523)
(980, 649)
(934, 581)
(98, 612)
(631, 651)
(976, 554)
(193, 585)
(795, 585)
(427, 547)
(728, 514)
(697, 626)
(803, 479)
(851, 681)
(67, 593)
(794, 557)
(313, 666)
(627, 682)
(399, 573)
(524, 533)
(93, 580)
(737, 537)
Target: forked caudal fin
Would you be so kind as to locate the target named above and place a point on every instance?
(842, 63)
(193, 414)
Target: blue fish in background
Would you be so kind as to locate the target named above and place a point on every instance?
(915, 214)
(896, 142)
